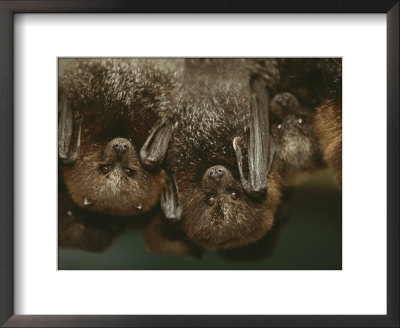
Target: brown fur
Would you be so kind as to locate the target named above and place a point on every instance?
(117, 100)
(328, 120)
(231, 223)
(114, 193)
(214, 108)
(165, 238)
(329, 128)
(84, 230)
(316, 83)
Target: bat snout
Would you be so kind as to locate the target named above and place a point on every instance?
(117, 149)
(282, 99)
(216, 172)
(217, 178)
(120, 147)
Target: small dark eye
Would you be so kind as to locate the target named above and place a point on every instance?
(211, 201)
(234, 196)
(129, 172)
(105, 169)
(300, 120)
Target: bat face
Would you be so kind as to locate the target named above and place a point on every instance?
(108, 177)
(292, 127)
(218, 214)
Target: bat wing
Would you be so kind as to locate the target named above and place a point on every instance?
(261, 148)
(154, 149)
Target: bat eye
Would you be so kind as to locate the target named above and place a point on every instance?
(234, 196)
(105, 169)
(129, 172)
(279, 126)
(300, 121)
(211, 201)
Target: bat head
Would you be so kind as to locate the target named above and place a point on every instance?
(217, 213)
(108, 177)
(292, 128)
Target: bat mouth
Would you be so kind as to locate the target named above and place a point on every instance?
(113, 204)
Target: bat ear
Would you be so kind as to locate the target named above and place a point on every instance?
(261, 148)
(170, 200)
(154, 149)
(69, 133)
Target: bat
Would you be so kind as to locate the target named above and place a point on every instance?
(317, 85)
(115, 123)
(223, 189)
(293, 130)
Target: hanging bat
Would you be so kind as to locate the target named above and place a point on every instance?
(223, 189)
(315, 83)
(292, 127)
(115, 122)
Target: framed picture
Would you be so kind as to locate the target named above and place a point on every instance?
(334, 263)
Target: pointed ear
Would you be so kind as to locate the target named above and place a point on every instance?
(69, 133)
(170, 200)
(260, 147)
(154, 149)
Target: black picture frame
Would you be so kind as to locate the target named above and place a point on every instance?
(7, 11)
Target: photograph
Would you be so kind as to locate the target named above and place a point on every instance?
(199, 163)
(194, 172)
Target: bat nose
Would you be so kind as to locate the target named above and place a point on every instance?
(216, 179)
(282, 98)
(216, 172)
(120, 147)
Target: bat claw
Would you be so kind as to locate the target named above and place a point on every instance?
(235, 142)
(87, 202)
(170, 201)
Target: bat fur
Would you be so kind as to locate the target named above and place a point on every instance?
(213, 111)
(297, 149)
(82, 229)
(315, 83)
(117, 104)
(328, 119)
